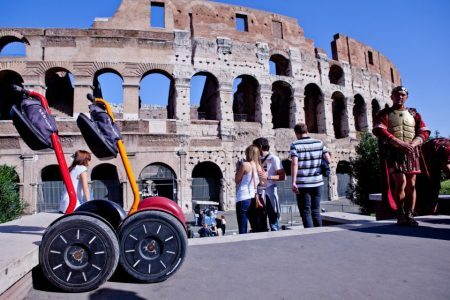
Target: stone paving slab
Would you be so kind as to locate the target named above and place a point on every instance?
(19, 240)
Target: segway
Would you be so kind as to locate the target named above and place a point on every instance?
(79, 251)
(152, 239)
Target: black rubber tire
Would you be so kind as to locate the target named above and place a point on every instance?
(153, 245)
(78, 253)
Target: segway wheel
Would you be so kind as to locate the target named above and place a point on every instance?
(153, 245)
(78, 253)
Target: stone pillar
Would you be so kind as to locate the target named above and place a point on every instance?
(225, 113)
(184, 193)
(297, 107)
(182, 99)
(130, 98)
(29, 182)
(332, 184)
(350, 118)
(266, 113)
(35, 83)
(326, 125)
(369, 116)
(82, 87)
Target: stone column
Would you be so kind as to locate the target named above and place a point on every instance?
(184, 193)
(35, 83)
(332, 184)
(182, 100)
(130, 98)
(266, 114)
(350, 118)
(29, 182)
(225, 113)
(82, 87)
(369, 116)
(326, 124)
(297, 107)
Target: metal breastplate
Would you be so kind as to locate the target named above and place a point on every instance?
(402, 125)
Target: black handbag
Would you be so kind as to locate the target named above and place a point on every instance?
(325, 168)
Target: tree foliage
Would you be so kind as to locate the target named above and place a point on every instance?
(366, 172)
(10, 205)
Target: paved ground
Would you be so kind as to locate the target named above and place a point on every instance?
(370, 261)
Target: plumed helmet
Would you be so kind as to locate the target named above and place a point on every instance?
(399, 88)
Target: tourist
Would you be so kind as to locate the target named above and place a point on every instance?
(246, 180)
(272, 171)
(307, 154)
(79, 177)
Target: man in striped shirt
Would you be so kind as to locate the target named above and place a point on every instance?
(306, 154)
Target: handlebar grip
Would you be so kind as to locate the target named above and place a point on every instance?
(90, 97)
(18, 89)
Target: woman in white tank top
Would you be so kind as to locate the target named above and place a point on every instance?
(78, 174)
(246, 180)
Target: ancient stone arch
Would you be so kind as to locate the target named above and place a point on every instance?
(281, 105)
(340, 115)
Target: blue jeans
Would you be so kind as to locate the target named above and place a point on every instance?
(241, 215)
(272, 207)
(308, 201)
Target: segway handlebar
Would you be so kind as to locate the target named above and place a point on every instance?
(18, 89)
(21, 90)
(90, 97)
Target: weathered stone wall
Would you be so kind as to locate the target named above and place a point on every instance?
(199, 36)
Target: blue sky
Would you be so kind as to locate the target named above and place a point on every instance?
(413, 34)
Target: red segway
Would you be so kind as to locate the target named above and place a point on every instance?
(79, 251)
(152, 239)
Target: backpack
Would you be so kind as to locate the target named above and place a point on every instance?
(34, 124)
(100, 132)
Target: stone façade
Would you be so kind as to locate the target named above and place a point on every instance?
(336, 96)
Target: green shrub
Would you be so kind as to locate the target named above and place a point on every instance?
(10, 205)
(366, 172)
(445, 187)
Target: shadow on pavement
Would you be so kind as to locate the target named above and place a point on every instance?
(40, 282)
(419, 232)
(107, 294)
(22, 229)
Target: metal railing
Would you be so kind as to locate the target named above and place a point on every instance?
(49, 193)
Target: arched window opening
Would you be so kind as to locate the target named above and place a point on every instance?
(157, 96)
(344, 178)
(279, 65)
(13, 49)
(245, 98)
(375, 108)
(7, 97)
(12, 46)
(206, 183)
(60, 91)
(50, 189)
(336, 75)
(205, 97)
(158, 179)
(105, 184)
(360, 113)
(108, 85)
(280, 104)
(340, 118)
(313, 104)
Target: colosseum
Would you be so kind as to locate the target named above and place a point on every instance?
(261, 76)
